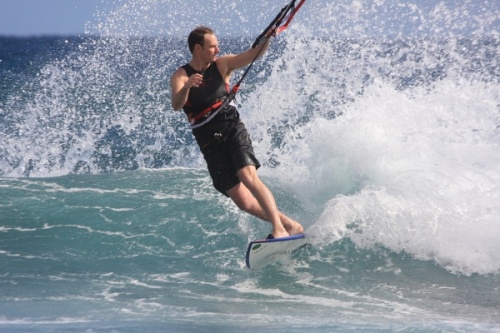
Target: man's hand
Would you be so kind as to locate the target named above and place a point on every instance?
(195, 81)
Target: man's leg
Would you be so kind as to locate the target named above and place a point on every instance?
(252, 196)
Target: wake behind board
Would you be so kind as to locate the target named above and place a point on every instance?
(262, 252)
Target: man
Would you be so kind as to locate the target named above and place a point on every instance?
(223, 139)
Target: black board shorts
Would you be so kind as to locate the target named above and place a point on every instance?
(227, 148)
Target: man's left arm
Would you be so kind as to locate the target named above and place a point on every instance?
(228, 63)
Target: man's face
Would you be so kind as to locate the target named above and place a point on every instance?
(210, 49)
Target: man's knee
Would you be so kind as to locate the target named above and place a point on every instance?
(248, 175)
(245, 205)
(243, 199)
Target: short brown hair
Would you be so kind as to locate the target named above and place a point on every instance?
(197, 36)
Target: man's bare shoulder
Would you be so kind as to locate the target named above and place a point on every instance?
(179, 77)
(180, 72)
(224, 59)
(224, 65)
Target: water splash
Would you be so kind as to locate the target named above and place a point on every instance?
(393, 140)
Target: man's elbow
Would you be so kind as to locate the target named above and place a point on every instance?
(176, 107)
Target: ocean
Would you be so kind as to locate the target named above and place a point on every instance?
(382, 138)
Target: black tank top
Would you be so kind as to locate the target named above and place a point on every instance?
(212, 89)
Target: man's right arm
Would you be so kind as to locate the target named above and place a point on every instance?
(180, 89)
(180, 85)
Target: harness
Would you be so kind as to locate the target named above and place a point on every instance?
(209, 113)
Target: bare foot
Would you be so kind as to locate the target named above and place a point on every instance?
(292, 227)
(296, 229)
(282, 234)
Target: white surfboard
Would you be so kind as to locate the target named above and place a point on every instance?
(262, 252)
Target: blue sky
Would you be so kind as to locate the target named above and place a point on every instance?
(46, 17)
(344, 17)
(70, 17)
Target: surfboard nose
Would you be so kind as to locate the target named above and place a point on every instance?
(262, 252)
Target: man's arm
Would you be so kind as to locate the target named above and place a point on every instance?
(228, 63)
(180, 85)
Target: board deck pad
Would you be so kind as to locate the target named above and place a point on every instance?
(262, 252)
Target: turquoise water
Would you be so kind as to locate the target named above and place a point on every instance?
(380, 136)
(162, 251)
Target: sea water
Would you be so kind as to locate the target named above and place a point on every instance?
(378, 127)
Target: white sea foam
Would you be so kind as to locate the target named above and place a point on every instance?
(415, 171)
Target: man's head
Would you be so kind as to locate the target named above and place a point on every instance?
(197, 36)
